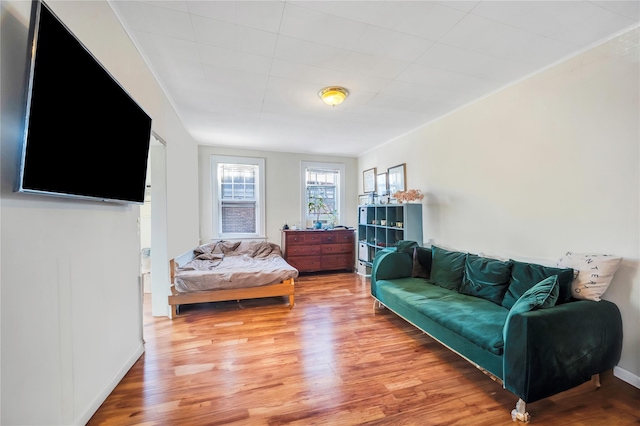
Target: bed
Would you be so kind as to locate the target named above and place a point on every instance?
(230, 270)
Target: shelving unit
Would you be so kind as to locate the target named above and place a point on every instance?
(382, 225)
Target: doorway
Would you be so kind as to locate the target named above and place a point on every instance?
(154, 266)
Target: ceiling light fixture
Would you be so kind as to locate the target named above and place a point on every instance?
(333, 95)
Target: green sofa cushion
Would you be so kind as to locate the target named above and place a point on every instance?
(542, 295)
(447, 268)
(525, 275)
(486, 278)
(421, 262)
(406, 246)
(456, 312)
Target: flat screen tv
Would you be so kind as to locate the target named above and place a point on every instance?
(84, 135)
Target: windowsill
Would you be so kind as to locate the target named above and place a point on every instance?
(239, 237)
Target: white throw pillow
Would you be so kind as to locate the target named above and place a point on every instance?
(593, 273)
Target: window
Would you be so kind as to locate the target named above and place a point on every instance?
(322, 181)
(238, 186)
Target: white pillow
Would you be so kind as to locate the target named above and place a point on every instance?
(593, 273)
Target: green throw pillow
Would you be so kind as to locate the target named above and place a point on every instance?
(524, 275)
(406, 246)
(540, 296)
(421, 262)
(486, 278)
(447, 268)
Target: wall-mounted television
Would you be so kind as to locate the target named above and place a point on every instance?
(84, 135)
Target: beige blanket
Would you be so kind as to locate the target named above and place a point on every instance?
(227, 265)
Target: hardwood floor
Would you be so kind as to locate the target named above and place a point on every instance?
(328, 361)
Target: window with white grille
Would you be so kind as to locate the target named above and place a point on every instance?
(239, 189)
(322, 182)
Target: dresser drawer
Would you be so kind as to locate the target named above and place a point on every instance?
(313, 237)
(305, 263)
(294, 238)
(337, 237)
(337, 261)
(337, 248)
(303, 250)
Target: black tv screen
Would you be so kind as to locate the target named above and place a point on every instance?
(85, 136)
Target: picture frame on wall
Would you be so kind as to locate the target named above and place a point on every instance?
(381, 183)
(397, 177)
(369, 180)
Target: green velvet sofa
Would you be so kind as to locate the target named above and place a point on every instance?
(515, 320)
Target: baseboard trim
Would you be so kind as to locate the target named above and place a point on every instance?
(627, 376)
(102, 396)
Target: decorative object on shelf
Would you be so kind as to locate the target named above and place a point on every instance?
(410, 195)
(317, 206)
(333, 95)
(381, 184)
(369, 181)
(363, 199)
(397, 177)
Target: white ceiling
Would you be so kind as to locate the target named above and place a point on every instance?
(247, 73)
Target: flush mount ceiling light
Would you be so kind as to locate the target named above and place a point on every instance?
(333, 95)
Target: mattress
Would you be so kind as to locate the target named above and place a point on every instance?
(224, 265)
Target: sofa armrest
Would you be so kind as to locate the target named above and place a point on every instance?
(552, 350)
(388, 265)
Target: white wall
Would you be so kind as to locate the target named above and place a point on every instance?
(548, 165)
(70, 296)
(282, 170)
(145, 224)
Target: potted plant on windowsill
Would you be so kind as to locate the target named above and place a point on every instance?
(318, 207)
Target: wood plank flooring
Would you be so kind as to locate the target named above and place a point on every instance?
(328, 361)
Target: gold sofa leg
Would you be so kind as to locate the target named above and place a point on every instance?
(595, 379)
(377, 306)
(520, 412)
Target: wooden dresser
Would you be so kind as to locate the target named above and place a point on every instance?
(319, 250)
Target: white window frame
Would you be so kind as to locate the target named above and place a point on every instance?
(217, 204)
(303, 188)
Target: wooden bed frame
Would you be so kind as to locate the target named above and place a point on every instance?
(284, 288)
